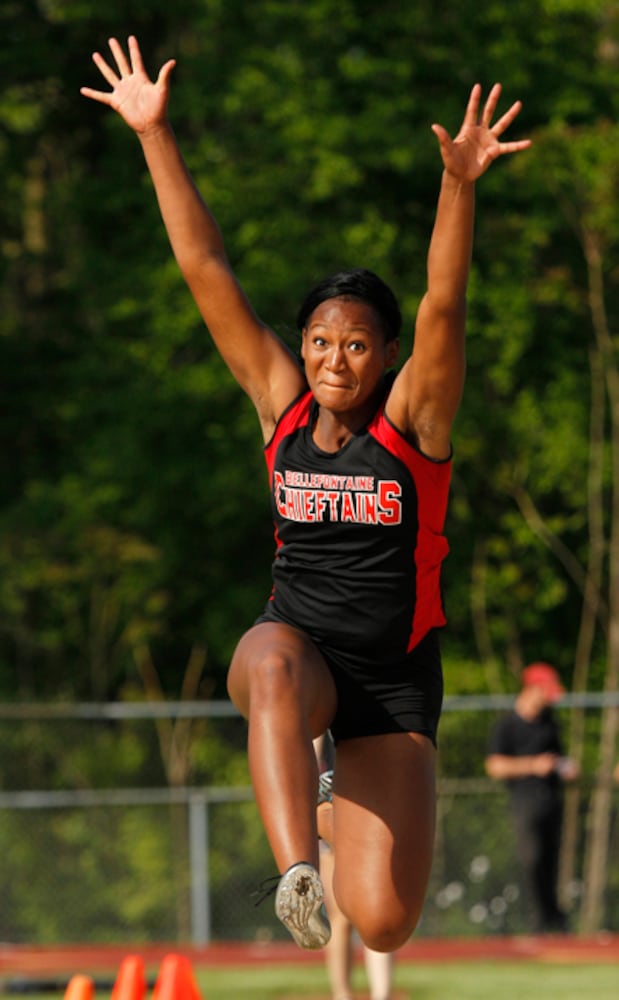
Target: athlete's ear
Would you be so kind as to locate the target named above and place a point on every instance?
(303, 336)
(392, 349)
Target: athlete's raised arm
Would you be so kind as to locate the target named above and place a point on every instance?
(257, 358)
(428, 390)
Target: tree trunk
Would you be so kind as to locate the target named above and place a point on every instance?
(588, 620)
(598, 828)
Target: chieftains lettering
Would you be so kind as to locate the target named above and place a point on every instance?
(313, 497)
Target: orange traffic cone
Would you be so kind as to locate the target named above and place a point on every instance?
(176, 980)
(131, 981)
(80, 988)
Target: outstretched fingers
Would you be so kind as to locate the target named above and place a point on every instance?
(472, 108)
(108, 74)
(472, 112)
(501, 124)
(505, 120)
(490, 106)
(105, 69)
(124, 66)
(513, 147)
(96, 95)
(135, 55)
(164, 73)
(121, 60)
(441, 134)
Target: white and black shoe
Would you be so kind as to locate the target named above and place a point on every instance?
(299, 905)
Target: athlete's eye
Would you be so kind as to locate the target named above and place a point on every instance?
(357, 346)
(318, 341)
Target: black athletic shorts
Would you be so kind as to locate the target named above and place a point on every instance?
(402, 697)
(393, 697)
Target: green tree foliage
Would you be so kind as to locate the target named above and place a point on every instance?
(133, 512)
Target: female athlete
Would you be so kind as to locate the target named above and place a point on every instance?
(359, 464)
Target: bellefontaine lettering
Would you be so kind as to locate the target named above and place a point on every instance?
(312, 496)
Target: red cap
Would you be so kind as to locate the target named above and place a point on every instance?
(545, 676)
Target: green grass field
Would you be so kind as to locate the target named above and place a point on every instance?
(455, 981)
(551, 977)
(521, 980)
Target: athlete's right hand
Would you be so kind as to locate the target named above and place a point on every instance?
(139, 101)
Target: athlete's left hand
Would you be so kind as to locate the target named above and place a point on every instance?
(477, 143)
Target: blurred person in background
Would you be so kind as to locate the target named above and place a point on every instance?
(525, 751)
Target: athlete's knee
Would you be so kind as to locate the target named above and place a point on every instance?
(385, 925)
(274, 674)
(264, 676)
(386, 932)
(275, 668)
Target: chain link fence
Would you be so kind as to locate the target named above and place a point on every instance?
(179, 864)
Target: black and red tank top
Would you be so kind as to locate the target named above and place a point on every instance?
(358, 532)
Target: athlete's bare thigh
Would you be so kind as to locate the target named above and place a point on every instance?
(384, 820)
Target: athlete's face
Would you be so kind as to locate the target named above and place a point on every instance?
(345, 353)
